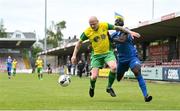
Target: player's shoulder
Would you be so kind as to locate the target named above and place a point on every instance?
(103, 24)
(88, 30)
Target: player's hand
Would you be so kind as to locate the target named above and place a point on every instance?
(135, 34)
(73, 60)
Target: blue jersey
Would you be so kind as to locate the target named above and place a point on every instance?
(125, 50)
(9, 62)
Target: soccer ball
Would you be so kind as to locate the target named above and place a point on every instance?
(64, 80)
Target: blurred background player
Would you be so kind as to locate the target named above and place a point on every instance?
(127, 56)
(9, 66)
(87, 68)
(62, 69)
(49, 68)
(69, 65)
(81, 68)
(39, 65)
(14, 65)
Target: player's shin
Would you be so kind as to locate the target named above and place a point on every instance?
(142, 84)
(92, 83)
(111, 78)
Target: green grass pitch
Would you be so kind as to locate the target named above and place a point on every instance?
(26, 92)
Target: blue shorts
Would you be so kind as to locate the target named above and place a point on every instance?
(123, 66)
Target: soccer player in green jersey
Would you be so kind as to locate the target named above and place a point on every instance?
(102, 51)
(39, 65)
(14, 64)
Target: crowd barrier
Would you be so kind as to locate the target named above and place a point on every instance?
(151, 73)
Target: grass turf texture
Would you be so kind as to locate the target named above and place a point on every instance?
(26, 92)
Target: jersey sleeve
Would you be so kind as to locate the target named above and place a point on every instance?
(110, 27)
(113, 35)
(83, 37)
(129, 38)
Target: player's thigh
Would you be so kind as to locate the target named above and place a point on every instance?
(134, 62)
(39, 70)
(112, 65)
(135, 65)
(97, 62)
(110, 59)
(122, 68)
(9, 69)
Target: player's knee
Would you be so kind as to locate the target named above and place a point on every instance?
(93, 77)
(94, 74)
(118, 79)
(113, 68)
(136, 71)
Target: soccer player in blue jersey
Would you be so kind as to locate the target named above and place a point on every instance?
(127, 56)
(9, 66)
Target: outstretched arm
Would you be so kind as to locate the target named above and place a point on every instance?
(126, 30)
(135, 34)
(76, 49)
(120, 28)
